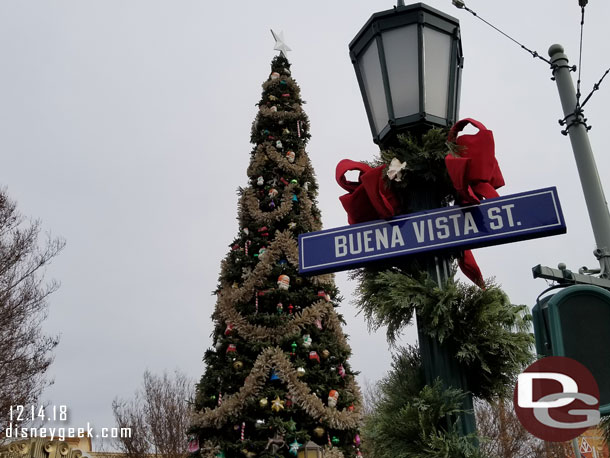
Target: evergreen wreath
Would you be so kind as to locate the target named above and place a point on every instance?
(484, 332)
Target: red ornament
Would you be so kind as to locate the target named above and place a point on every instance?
(229, 329)
(283, 180)
(232, 348)
(285, 95)
(351, 408)
(263, 231)
(313, 355)
(290, 308)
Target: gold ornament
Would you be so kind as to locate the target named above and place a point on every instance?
(325, 354)
(237, 365)
(263, 402)
(300, 371)
(318, 432)
(277, 404)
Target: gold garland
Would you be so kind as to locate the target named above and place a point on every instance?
(274, 358)
(266, 151)
(251, 204)
(283, 244)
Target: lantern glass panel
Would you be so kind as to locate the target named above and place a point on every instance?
(437, 60)
(370, 69)
(400, 49)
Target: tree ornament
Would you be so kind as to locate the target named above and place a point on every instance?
(243, 431)
(292, 225)
(232, 348)
(335, 440)
(290, 155)
(260, 181)
(276, 442)
(273, 109)
(341, 370)
(273, 375)
(247, 246)
(295, 182)
(318, 432)
(333, 397)
(263, 231)
(228, 329)
(300, 371)
(263, 402)
(277, 404)
(283, 83)
(307, 341)
(351, 408)
(286, 95)
(295, 198)
(280, 45)
(291, 425)
(193, 445)
(395, 169)
(248, 454)
(237, 365)
(357, 440)
(278, 144)
(293, 345)
(290, 308)
(272, 98)
(220, 454)
(288, 401)
(218, 345)
(246, 231)
(235, 285)
(318, 323)
(313, 356)
(280, 308)
(294, 448)
(274, 76)
(325, 354)
(261, 252)
(283, 282)
(306, 185)
(285, 131)
(219, 399)
(213, 397)
(358, 454)
(272, 205)
(273, 192)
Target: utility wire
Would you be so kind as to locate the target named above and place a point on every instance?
(460, 4)
(583, 3)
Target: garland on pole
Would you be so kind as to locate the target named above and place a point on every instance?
(486, 334)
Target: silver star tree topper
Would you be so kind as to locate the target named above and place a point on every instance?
(279, 43)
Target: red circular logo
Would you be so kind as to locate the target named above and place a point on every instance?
(557, 399)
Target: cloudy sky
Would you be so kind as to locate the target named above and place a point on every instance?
(124, 127)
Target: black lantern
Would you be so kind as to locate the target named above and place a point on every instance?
(408, 62)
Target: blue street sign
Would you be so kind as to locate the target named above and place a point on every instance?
(522, 216)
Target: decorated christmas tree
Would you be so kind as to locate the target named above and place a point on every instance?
(277, 379)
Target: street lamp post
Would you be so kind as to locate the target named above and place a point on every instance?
(408, 63)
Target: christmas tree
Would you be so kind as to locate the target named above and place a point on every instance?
(278, 378)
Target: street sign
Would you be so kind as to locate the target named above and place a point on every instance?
(506, 219)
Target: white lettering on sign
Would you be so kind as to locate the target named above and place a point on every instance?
(368, 241)
(440, 227)
(500, 215)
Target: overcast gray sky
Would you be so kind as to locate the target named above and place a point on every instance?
(125, 126)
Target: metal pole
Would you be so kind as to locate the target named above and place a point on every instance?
(585, 162)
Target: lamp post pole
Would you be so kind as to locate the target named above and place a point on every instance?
(577, 129)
